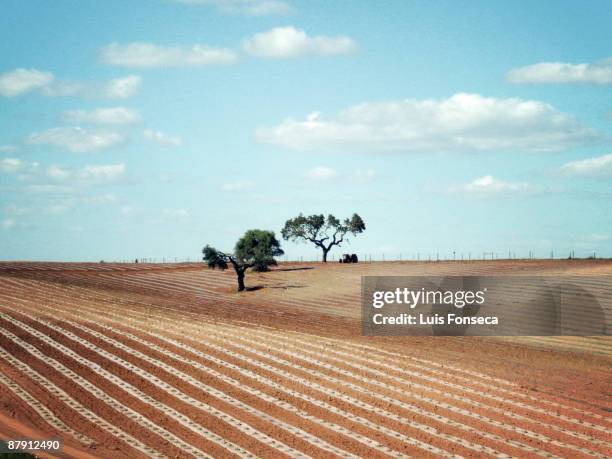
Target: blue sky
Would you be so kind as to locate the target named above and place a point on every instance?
(151, 128)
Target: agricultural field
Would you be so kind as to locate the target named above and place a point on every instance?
(152, 360)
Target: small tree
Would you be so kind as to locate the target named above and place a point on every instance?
(256, 249)
(322, 232)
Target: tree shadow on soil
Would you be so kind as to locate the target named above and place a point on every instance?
(293, 269)
(260, 287)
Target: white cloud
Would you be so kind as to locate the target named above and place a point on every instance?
(24, 170)
(140, 54)
(11, 164)
(488, 185)
(21, 81)
(8, 148)
(122, 88)
(461, 122)
(321, 173)
(563, 72)
(287, 42)
(246, 7)
(101, 173)
(110, 115)
(600, 166)
(244, 185)
(58, 173)
(162, 138)
(90, 174)
(117, 88)
(77, 139)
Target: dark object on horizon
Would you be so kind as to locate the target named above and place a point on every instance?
(256, 249)
(322, 232)
(349, 258)
(136, 260)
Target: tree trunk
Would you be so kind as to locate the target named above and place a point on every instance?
(241, 286)
(325, 255)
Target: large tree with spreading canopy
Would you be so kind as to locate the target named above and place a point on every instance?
(324, 233)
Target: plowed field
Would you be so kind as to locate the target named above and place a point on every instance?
(168, 361)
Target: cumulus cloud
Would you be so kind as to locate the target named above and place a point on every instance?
(77, 139)
(21, 81)
(110, 115)
(321, 173)
(600, 166)
(162, 138)
(288, 42)
(87, 175)
(245, 7)
(122, 88)
(117, 88)
(101, 173)
(58, 173)
(23, 170)
(143, 55)
(244, 185)
(563, 72)
(461, 122)
(489, 185)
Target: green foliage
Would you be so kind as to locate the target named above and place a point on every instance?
(258, 249)
(214, 258)
(322, 232)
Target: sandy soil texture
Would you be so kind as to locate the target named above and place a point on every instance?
(146, 360)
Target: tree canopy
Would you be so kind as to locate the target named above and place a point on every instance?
(256, 249)
(322, 232)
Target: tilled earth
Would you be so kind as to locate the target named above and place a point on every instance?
(167, 361)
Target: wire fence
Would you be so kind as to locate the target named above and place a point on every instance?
(372, 257)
